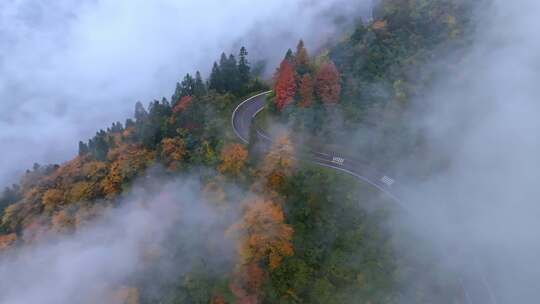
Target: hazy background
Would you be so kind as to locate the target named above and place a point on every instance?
(128, 244)
(481, 210)
(68, 67)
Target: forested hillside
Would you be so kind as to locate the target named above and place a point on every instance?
(301, 234)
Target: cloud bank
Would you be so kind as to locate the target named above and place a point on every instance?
(91, 265)
(482, 209)
(70, 67)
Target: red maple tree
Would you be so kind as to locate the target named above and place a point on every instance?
(285, 85)
(183, 104)
(328, 86)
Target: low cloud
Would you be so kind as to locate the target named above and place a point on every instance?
(69, 68)
(167, 229)
(482, 208)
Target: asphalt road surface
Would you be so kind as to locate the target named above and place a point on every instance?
(476, 289)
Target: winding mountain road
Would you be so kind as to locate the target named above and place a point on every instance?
(246, 111)
(475, 286)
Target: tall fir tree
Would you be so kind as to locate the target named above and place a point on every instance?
(302, 62)
(140, 112)
(199, 88)
(244, 70)
(187, 86)
(83, 148)
(216, 83)
(289, 56)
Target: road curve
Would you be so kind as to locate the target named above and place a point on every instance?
(476, 289)
(246, 111)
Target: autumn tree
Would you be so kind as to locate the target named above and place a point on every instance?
(306, 91)
(218, 299)
(233, 159)
(278, 163)
(327, 83)
(52, 199)
(173, 151)
(183, 104)
(7, 241)
(285, 85)
(63, 221)
(265, 239)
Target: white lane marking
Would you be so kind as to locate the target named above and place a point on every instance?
(320, 163)
(236, 110)
(256, 113)
(320, 153)
(388, 181)
(263, 135)
(338, 160)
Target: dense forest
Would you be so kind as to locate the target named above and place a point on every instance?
(305, 234)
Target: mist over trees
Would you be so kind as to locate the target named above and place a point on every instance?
(224, 222)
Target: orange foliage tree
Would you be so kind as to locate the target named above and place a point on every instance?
(218, 299)
(265, 239)
(285, 85)
(278, 163)
(183, 104)
(112, 184)
(233, 159)
(327, 83)
(7, 241)
(173, 151)
(52, 199)
(63, 221)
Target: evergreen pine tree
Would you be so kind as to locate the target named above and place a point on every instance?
(233, 79)
(187, 86)
(83, 149)
(302, 59)
(140, 112)
(215, 82)
(244, 70)
(289, 56)
(199, 88)
(177, 93)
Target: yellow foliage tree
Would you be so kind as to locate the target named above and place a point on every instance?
(233, 159)
(52, 199)
(112, 183)
(279, 162)
(6, 241)
(78, 192)
(265, 233)
(173, 151)
(264, 238)
(63, 221)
